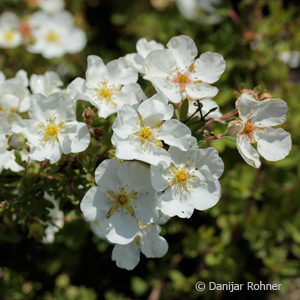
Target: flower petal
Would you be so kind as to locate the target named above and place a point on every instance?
(122, 228)
(75, 40)
(271, 113)
(106, 174)
(183, 50)
(126, 256)
(145, 207)
(75, 137)
(94, 204)
(206, 194)
(209, 67)
(247, 106)
(76, 90)
(209, 159)
(144, 47)
(130, 94)
(170, 90)
(175, 133)
(201, 91)
(29, 128)
(159, 177)
(151, 243)
(247, 151)
(127, 120)
(135, 175)
(154, 111)
(120, 73)
(174, 202)
(57, 105)
(130, 149)
(96, 70)
(273, 144)
(160, 63)
(46, 150)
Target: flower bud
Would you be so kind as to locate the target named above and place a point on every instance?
(265, 95)
(88, 113)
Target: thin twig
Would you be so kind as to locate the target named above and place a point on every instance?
(216, 137)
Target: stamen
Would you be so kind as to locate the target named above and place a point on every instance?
(182, 79)
(8, 36)
(181, 177)
(51, 130)
(123, 199)
(106, 92)
(52, 37)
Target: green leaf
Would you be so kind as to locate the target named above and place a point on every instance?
(184, 108)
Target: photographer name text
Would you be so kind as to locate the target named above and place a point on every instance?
(233, 287)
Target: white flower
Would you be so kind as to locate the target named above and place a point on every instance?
(53, 129)
(123, 196)
(51, 6)
(143, 48)
(139, 134)
(108, 87)
(7, 157)
(8, 161)
(46, 84)
(202, 11)
(10, 36)
(56, 223)
(291, 58)
(190, 182)
(14, 96)
(254, 127)
(148, 241)
(55, 35)
(175, 72)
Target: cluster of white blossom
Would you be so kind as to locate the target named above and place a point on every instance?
(291, 58)
(159, 171)
(50, 32)
(202, 11)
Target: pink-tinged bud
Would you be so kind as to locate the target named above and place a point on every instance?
(25, 30)
(97, 133)
(265, 95)
(250, 92)
(88, 113)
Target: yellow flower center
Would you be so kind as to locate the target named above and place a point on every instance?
(12, 110)
(182, 79)
(122, 200)
(8, 36)
(181, 176)
(249, 128)
(105, 93)
(146, 133)
(51, 130)
(52, 37)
